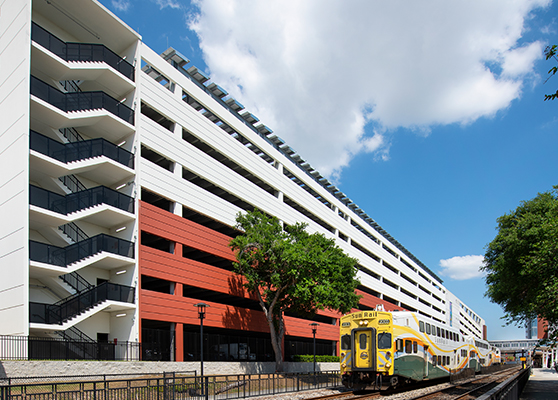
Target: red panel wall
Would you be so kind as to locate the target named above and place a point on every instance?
(173, 267)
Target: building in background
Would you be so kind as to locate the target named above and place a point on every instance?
(123, 173)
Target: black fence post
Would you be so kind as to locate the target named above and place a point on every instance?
(105, 388)
(206, 387)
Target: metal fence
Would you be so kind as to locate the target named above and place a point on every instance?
(169, 386)
(466, 373)
(39, 348)
(463, 374)
(496, 367)
(511, 389)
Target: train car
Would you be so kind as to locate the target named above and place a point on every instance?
(390, 349)
(482, 353)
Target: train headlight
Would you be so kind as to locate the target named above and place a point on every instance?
(365, 322)
(361, 323)
(342, 354)
(344, 365)
(388, 365)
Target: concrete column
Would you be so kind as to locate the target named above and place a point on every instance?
(178, 254)
(177, 209)
(177, 170)
(179, 338)
(177, 91)
(178, 130)
(178, 289)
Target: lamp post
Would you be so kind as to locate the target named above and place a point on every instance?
(314, 329)
(201, 314)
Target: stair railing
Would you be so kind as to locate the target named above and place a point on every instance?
(75, 305)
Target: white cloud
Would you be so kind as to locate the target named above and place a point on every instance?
(168, 3)
(462, 267)
(334, 78)
(121, 5)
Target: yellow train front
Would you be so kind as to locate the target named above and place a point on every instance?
(366, 349)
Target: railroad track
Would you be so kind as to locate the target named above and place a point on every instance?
(349, 396)
(466, 390)
(470, 389)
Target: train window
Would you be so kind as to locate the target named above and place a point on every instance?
(362, 341)
(428, 328)
(434, 358)
(384, 340)
(463, 353)
(408, 346)
(438, 330)
(472, 354)
(415, 347)
(443, 334)
(421, 326)
(346, 342)
(440, 360)
(399, 345)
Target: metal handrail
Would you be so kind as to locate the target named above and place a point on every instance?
(81, 150)
(80, 200)
(72, 306)
(70, 51)
(64, 256)
(80, 101)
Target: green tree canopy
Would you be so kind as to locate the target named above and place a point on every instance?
(522, 261)
(291, 269)
(550, 53)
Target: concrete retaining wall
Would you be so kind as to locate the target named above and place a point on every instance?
(13, 369)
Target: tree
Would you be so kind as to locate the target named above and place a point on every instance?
(522, 261)
(288, 269)
(550, 52)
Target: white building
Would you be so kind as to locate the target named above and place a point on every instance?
(123, 173)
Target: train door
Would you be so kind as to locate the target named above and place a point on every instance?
(425, 375)
(364, 348)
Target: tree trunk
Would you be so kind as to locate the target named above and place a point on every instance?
(277, 340)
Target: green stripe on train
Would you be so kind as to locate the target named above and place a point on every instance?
(413, 367)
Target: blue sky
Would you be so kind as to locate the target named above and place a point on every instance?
(429, 115)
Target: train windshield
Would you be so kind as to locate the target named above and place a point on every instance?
(346, 342)
(384, 340)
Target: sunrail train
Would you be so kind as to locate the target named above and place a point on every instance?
(391, 349)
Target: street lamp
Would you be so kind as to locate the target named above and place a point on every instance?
(314, 329)
(201, 313)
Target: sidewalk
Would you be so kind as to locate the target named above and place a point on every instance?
(542, 385)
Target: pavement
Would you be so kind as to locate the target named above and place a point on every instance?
(542, 385)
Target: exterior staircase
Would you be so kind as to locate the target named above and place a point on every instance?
(67, 311)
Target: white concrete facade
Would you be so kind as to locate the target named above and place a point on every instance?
(210, 158)
(34, 201)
